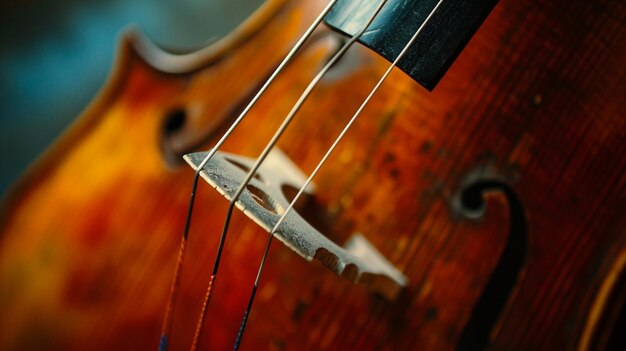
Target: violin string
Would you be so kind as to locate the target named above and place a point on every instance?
(270, 145)
(169, 311)
(319, 166)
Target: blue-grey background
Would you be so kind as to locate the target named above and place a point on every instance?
(56, 54)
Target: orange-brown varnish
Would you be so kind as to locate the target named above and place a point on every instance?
(89, 236)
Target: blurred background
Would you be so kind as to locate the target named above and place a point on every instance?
(56, 54)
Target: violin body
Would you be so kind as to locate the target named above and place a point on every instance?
(530, 117)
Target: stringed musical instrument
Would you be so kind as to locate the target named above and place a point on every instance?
(486, 214)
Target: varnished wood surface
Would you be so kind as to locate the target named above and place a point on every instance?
(89, 237)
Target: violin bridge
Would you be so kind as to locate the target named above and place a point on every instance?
(264, 202)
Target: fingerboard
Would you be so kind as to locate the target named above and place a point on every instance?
(440, 42)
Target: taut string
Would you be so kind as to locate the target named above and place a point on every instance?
(318, 167)
(171, 304)
(279, 132)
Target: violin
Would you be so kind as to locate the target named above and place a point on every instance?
(481, 191)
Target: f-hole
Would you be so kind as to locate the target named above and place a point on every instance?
(489, 307)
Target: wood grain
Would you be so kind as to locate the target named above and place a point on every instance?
(89, 236)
